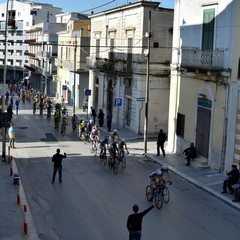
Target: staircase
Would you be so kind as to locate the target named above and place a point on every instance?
(200, 162)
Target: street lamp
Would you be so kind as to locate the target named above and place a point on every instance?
(148, 35)
(4, 83)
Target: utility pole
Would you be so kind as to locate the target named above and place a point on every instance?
(148, 35)
(4, 127)
(74, 78)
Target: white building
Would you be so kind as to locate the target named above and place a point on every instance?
(118, 64)
(205, 87)
(21, 16)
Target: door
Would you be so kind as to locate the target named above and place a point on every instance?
(203, 131)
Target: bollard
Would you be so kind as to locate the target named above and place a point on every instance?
(9, 156)
(16, 177)
(18, 191)
(25, 225)
(11, 170)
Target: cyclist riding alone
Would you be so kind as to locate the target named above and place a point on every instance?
(121, 145)
(157, 177)
(115, 135)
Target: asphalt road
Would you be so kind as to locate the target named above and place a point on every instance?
(93, 203)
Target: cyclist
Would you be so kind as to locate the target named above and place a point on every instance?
(94, 134)
(115, 135)
(57, 119)
(157, 177)
(103, 146)
(49, 111)
(64, 124)
(121, 145)
(74, 122)
(113, 150)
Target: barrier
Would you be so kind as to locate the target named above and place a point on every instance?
(16, 178)
(9, 156)
(11, 167)
(25, 225)
(18, 192)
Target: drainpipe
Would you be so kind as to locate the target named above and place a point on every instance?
(139, 121)
(225, 129)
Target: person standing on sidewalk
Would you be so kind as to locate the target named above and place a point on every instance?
(93, 114)
(162, 137)
(57, 160)
(11, 135)
(134, 222)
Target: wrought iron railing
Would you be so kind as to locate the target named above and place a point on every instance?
(206, 59)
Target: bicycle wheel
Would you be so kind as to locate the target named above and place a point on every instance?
(158, 199)
(115, 168)
(148, 193)
(95, 148)
(124, 163)
(91, 147)
(109, 163)
(104, 158)
(165, 194)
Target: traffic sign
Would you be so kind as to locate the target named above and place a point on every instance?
(140, 99)
(87, 92)
(118, 102)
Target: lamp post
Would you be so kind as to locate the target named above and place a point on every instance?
(74, 76)
(148, 35)
(4, 83)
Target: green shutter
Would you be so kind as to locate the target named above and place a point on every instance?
(208, 29)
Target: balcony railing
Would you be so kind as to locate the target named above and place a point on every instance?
(205, 59)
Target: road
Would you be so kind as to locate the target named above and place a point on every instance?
(93, 203)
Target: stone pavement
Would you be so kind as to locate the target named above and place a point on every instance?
(12, 216)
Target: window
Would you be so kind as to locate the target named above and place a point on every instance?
(111, 53)
(180, 125)
(208, 29)
(19, 25)
(97, 47)
(2, 14)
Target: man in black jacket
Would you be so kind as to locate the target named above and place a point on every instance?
(232, 178)
(162, 137)
(134, 222)
(57, 159)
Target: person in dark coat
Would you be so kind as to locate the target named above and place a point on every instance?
(101, 118)
(93, 114)
(232, 178)
(190, 153)
(10, 111)
(109, 121)
(57, 160)
(134, 222)
(162, 137)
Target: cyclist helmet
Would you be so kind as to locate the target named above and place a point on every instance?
(91, 121)
(123, 140)
(115, 130)
(159, 171)
(164, 167)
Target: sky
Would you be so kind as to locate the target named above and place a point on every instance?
(85, 6)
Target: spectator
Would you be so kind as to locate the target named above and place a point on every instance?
(57, 159)
(10, 111)
(237, 192)
(17, 105)
(134, 222)
(109, 121)
(190, 153)
(101, 118)
(11, 135)
(93, 114)
(162, 137)
(232, 178)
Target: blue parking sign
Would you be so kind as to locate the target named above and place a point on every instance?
(87, 92)
(118, 102)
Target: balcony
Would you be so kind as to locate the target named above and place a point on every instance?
(26, 53)
(202, 59)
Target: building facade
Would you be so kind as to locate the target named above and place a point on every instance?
(20, 16)
(121, 62)
(204, 97)
(73, 48)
